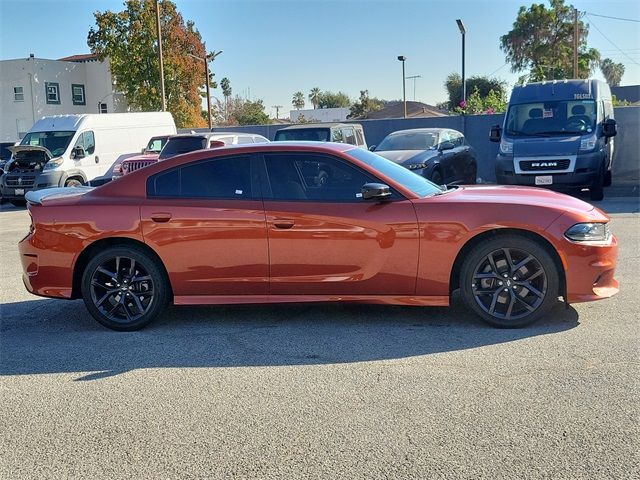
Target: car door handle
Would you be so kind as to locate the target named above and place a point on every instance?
(161, 217)
(283, 223)
(97, 159)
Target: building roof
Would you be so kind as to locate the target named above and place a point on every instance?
(414, 110)
(84, 57)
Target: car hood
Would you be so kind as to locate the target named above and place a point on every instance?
(406, 156)
(547, 146)
(514, 196)
(30, 148)
(144, 156)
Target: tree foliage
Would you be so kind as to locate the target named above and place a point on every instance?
(240, 111)
(612, 71)
(483, 85)
(541, 43)
(225, 84)
(298, 100)
(128, 39)
(333, 100)
(477, 104)
(314, 96)
(365, 104)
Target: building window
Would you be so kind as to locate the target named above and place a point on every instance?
(103, 108)
(18, 94)
(77, 94)
(53, 92)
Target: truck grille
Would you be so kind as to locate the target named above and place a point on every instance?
(20, 181)
(128, 167)
(544, 165)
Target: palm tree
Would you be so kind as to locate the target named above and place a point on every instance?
(314, 96)
(225, 84)
(298, 100)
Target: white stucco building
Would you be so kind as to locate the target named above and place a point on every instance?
(320, 115)
(32, 88)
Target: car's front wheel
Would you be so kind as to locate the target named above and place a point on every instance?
(510, 281)
(124, 288)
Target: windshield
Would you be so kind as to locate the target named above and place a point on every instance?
(303, 134)
(55, 142)
(156, 144)
(552, 118)
(416, 183)
(409, 141)
(179, 145)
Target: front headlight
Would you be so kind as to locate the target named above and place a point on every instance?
(588, 143)
(416, 166)
(589, 232)
(53, 163)
(506, 147)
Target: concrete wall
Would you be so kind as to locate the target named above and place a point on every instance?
(31, 74)
(476, 129)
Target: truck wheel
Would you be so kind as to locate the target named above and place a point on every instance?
(18, 203)
(596, 191)
(72, 182)
(607, 179)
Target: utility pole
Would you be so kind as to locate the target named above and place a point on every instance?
(160, 61)
(277, 107)
(413, 77)
(576, 34)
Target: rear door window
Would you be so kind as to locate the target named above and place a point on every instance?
(220, 178)
(349, 135)
(359, 137)
(243, 140)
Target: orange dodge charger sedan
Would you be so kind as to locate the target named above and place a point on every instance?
(311, 222)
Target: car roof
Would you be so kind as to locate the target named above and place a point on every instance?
(424, 130)
(303, 126)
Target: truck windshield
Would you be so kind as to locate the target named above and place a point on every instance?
(55, 142)
(560, 117)
(303, 134)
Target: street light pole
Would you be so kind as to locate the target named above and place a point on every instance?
(402, 58)
(160, 61)
(464, 83)
(206, 59)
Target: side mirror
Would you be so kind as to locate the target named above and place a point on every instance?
(78, 153)
(446, 146)
(609, 128)
(144, 150)
(378, 191)
(372, 148)
(495, 133)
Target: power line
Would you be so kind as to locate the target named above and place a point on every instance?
(613, 18)
(607, 39)
(498, 69)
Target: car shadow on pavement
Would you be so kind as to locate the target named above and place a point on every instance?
(53, 336)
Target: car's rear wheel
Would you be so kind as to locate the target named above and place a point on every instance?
(510, 281)
(124, 288)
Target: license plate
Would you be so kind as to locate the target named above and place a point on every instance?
(19, 191)
(544, 180)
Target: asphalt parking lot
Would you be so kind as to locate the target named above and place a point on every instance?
(322, 392)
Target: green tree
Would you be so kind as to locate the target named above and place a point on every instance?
(251, 113)
(484, 85)
(314, 96)
(365, 104)
(492, 102)
(334, 100)
(541, 43)
(612, 71)
(225, 84)
(298, 100)
(128, 39)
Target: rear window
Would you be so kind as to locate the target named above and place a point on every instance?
(179, 145)
(303, 134)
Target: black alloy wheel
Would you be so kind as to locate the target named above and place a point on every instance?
(124, 288)
(510, 281)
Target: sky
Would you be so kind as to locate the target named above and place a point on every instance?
(273, 48)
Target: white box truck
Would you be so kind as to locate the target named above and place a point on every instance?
(71, 150)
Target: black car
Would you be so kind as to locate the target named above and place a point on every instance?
(441, 155)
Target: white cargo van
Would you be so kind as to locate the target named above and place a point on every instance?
(71, 150)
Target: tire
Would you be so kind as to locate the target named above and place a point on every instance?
(72, 182)
(18, 203)
(436, 177)
(500, 300)
(596, 191)
(608, 178)
(108, 286)
(472, 175)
